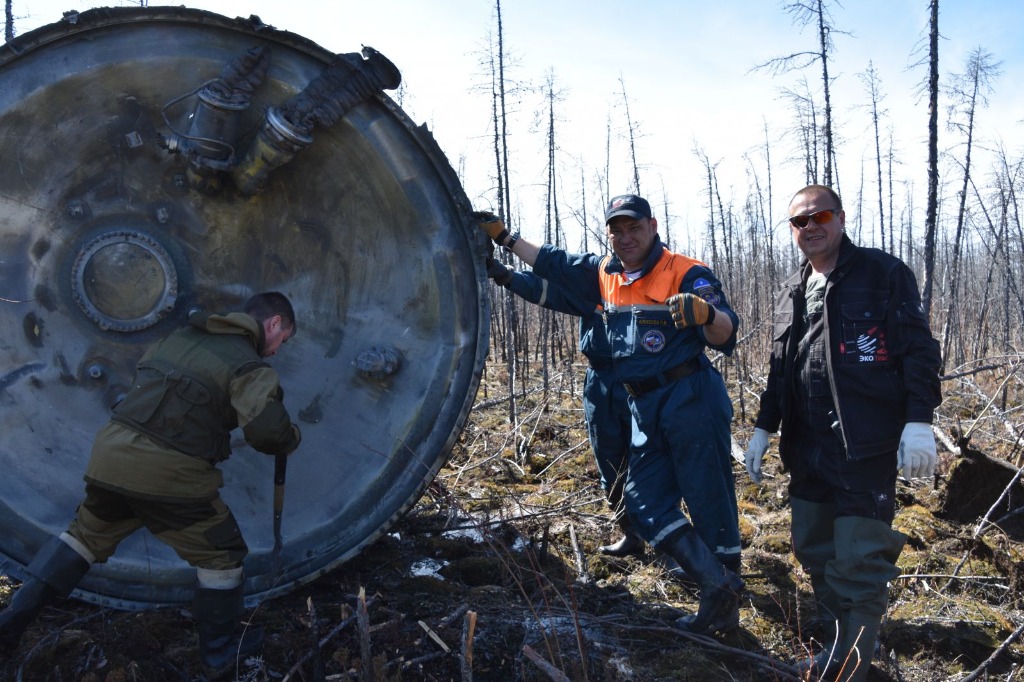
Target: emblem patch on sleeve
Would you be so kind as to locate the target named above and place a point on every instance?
(703, 288)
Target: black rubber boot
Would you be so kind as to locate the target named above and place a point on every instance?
(732, 562)
(629, 543)
(52, 575)
(676, 571)
(719, 587)
(223, 641)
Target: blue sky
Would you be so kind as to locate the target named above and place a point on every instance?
(687, 67)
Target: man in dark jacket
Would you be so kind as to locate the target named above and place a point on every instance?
(853, 381)
(154, 466)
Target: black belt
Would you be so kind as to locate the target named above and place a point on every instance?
(600, 364)
(638, 388)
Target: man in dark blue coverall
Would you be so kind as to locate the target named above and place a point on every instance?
(661, 310)
(609, 422)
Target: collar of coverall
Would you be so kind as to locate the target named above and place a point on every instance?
(615, 265)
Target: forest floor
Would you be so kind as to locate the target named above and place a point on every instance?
(494, 576)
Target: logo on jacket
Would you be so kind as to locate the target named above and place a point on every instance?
(868, 346)
(703, 288)
(653, 341)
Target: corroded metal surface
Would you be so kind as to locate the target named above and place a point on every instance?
(108, 239)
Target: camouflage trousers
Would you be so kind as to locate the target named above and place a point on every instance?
(202, 532)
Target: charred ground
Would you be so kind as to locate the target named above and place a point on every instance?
(493, 575)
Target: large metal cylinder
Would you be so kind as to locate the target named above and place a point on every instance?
(105, 246)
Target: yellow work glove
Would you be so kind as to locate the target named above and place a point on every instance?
(492, 225)
(689, 310)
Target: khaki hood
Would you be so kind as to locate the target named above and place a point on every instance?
(232, 323)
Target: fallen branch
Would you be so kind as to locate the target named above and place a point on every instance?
(581, 564)
(321, 644)
(434, 636)
(363, 623)
(504, 399)
(524, 446)
(990, 405)
(454, 616)
(420, 660)
(983, 668)
(947, 441)
(778, 668)
(466, 653)
(318, 665)
(969, 372)
(550, 511)
(49, 638)
(910, 576)
(551, 671)
(555, 461)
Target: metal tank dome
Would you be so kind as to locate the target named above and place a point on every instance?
(159, 160)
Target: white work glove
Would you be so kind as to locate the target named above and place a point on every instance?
(917, 451)
(756, 448)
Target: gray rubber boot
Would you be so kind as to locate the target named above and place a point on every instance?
(629, 543)
(52, 575)
(866, 554)
(814, 546)
(719, 587)
(850, 659)
(223, 641)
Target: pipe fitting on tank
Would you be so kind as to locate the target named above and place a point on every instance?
(377, 362)
(277, 143)
(350, 79)
(209, 144)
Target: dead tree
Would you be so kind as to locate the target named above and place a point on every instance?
(607, 162)
(968, 91)
(805, 13)
(1001, 253)
(1011, 175)
(932, 209)
(890, 160)
(631, 134)
(8, 21)
(500, 120)
(874, 87)
(709, 169)
(806, 114)
(663, 224)
(553, 332)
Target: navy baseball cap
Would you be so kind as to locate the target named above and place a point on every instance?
(628, 204)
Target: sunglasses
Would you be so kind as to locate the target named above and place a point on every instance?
(821, 217)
